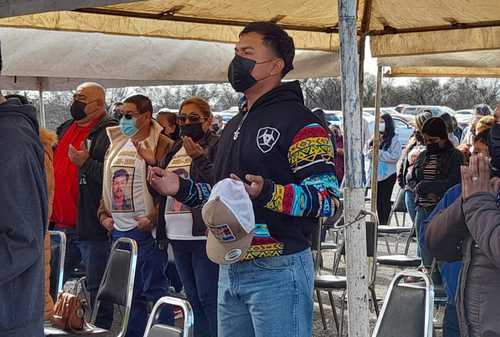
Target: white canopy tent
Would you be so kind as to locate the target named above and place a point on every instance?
(61, 60)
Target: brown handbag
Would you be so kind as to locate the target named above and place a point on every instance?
(68, 312)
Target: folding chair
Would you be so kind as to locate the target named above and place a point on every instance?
(335, 282)
(401, 260)
(329, 283)
(398, 206)
(61, 256)
(116, 287)
(155, 329)
(407, 309)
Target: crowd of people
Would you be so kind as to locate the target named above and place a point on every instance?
(123, 172)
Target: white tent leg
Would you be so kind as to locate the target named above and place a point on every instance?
(376, 142)
(357, 264)
(41, 105)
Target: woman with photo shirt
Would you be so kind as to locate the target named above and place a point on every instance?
(192, 156)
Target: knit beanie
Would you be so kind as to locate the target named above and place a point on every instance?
(435, 127)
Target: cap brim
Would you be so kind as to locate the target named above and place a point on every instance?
(230, 252)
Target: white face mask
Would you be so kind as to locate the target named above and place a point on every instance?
(381, 127)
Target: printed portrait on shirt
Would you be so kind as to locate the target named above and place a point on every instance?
(121, 189)
(173, 206)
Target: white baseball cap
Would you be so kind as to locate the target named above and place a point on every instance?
(230, 219)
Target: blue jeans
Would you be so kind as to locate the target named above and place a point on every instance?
(267, 297)
(200, 278)
(450, 321)
(150, 283)
(410, 204)
(94, 255)
(420, 217)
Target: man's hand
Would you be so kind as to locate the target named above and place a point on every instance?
(78, 157)
(192, 149)
(163, 181)
(146, 153)
(108, 223)
(144, 224)
(476, 176)
(254, 189)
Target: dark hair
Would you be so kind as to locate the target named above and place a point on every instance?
(120, 173)
(277, 39)
(389, 132)
(142, 103)
(483, 137)
(170, 116)
(447, 119)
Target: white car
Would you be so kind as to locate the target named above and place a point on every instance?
(403, 129)
(464, 117)
(389, 111)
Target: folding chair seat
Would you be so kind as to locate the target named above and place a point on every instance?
(155, 329)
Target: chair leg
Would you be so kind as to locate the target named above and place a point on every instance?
(374, 300)
(321, 311)
(387, 245)
(342, 312)
(334, 310)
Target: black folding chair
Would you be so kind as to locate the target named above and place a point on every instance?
(58, 252)
(116, 287)
(155, 329)
(407, 309)
(398, 231)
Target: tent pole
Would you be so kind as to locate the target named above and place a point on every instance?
(376, 141)
(354, 196)
(41, 106)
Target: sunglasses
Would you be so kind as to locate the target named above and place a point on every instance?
(192, 118)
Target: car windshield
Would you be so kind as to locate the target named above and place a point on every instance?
(332, 118)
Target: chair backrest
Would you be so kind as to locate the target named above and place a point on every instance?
(117, 283)
(60, 254)
(155, 329)
(399, 205)
(408, 303)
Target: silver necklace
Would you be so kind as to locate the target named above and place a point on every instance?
(236, 133)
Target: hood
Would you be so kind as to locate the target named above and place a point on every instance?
(48, 137)
(286, 92)
(12, 109)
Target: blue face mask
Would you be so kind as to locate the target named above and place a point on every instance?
(128, 126)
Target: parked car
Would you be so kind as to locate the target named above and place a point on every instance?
(334, 117)
(436, 110)
(400, 107)
(404, 129)
(385, 110)
(464, 117)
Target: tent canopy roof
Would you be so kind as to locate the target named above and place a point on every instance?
(396, 25)
(63, 59)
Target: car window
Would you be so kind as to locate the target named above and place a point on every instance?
(399, 124)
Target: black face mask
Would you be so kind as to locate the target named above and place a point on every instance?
(78, 110)
(433, 148)
(239, 73)
(193, 131)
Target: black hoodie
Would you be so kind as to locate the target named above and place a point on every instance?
(264, 136)
(23, 209)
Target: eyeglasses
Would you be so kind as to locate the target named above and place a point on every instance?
(193, 118)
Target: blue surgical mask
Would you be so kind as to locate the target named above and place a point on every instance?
(128, 126)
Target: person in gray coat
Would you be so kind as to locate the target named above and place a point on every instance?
(470, 230)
